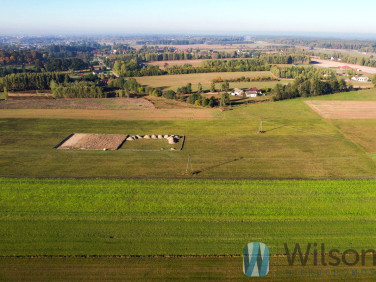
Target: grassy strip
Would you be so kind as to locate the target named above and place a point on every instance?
(181, 217)
(146, 268)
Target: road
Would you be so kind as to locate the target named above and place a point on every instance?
(103, 65)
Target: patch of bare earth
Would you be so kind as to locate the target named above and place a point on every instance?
(333, 64)
(87, 103)
(163, 103)
(94, 141)
(344, 109)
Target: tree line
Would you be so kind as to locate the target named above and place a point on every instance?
(33, 81)
(243, 79)
(20, 57)
(305, 86)
(295, 71)
(356, 60)
(361, 45)
(77, 89)
(65, 64)
(263, 63)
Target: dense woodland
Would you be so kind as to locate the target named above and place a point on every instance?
(32, 81)
(20, 57)
(51, 58)
(72, 51)
(65, 64)
(361, 45)
(295, 71)
(77, 89)
(306, 86)
(262, 63)
(196, 40)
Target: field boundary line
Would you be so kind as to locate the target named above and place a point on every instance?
(192, 178)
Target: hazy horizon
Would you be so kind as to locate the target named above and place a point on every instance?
(271, 17)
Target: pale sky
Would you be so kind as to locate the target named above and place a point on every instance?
(189, 16)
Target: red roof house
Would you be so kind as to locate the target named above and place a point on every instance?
(345, 68)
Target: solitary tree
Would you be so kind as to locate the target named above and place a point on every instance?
(212, 87)
(225, 86)
(189, 88)
(374, 79)
(6, 93)
(225, 99)
(199, 87)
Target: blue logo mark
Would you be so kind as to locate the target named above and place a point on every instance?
(256, 260)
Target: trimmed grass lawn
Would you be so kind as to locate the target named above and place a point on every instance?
(170, 268)
(181, 217)
(72, 217)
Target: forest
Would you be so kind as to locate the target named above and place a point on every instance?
(32, 81)
(361, 45)
(262, 63)
(77, 89)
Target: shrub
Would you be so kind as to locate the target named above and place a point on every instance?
(205, 102)
(192, 98)
(157, 93)
(170, 94)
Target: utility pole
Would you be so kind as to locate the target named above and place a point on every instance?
(260, 128)
(189, 165)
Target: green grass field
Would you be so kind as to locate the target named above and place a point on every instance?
(297, 144)
(363, 95)
(65, 217)
(183, 221)
(175, 81)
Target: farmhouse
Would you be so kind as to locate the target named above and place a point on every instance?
(237, 92)
(363, 79)
(360, 79)
(253, 92)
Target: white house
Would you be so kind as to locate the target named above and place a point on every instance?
(363, 79)
(237, 92)
(360, 79)
(251, 94)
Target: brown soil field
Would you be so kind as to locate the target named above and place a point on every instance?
(152, 114)
(163, 103)
(333, 64)
(344, 109)
(94, 141)
(88, 103)
(30, 93)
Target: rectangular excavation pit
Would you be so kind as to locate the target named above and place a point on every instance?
(90, 141)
